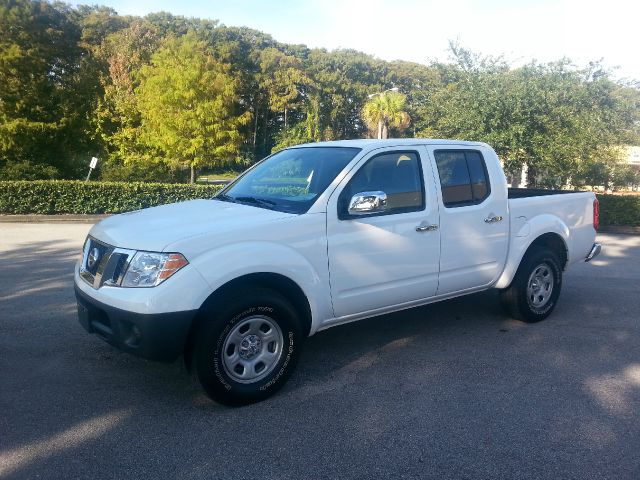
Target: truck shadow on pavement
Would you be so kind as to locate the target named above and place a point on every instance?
(457, 376)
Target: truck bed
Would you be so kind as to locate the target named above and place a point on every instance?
(536, 192)
(572, 209)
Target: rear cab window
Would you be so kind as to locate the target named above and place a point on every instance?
(463, 177)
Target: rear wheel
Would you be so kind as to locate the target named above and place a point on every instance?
(534, 292)
(247, 350)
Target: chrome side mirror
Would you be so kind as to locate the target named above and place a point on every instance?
(364, 203)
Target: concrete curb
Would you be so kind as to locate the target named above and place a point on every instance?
(51, 218)
(619, 229)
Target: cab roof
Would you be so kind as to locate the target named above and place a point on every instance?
(369, 144)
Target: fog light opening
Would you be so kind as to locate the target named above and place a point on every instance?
(133, 337)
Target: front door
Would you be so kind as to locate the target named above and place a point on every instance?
(392, 256)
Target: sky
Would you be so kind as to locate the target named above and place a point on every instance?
(419, 31)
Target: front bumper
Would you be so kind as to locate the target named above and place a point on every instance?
(594, 252)
(156, 336)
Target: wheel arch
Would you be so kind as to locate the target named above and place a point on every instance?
(554, 241)
(277, 282)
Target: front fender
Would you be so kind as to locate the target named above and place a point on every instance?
(221, 265)
(527, 233)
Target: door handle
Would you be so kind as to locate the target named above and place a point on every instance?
(426, 228)
(493, 218)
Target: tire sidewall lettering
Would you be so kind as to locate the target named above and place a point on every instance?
(283, 368)
(546, 308)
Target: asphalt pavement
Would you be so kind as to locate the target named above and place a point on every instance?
(451, 390)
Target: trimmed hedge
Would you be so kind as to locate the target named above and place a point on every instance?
(623, 210)
(72, 196)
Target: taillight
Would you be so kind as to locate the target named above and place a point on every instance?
(596, 214)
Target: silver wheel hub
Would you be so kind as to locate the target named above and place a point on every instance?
(249, 347)
(540, 286)
(252, 349)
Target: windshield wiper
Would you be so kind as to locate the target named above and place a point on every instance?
(263, 202)
(223, 197)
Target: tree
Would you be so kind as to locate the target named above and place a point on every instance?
(284, 80)
(557, 120)
(45, 91)
(77, 82)
(342, 79)
(187, 104)
(118, 118)
(241, 48)
(386, 110)
(98, 22)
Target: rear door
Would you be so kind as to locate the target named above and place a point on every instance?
(474, 220)
(387, 258)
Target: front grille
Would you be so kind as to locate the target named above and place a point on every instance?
(97, 255)
(103, 264)
(119, 266)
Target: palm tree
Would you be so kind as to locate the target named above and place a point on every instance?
(384, 111)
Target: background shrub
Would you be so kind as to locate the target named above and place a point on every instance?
(72, 196)
(620, 210)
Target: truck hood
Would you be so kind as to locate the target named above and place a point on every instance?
(155, 228)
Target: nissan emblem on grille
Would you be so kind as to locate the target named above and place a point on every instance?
(94, 256)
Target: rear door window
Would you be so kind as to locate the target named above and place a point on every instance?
(463, 177)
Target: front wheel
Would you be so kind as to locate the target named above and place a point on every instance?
(534, 292)
(245, 352)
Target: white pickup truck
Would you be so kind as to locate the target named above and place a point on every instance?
(316, 236)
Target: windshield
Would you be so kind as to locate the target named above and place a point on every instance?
(290, 180)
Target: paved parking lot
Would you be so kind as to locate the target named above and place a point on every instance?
(453, 390)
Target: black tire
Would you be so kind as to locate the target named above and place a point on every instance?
(527, 305)
(248, 306)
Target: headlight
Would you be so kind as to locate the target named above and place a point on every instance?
(148, 269)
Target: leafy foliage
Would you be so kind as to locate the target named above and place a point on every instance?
(46, 88)
(620, 210)
(118, 118)
(186, 102)
(77, 197)
(68, 196)
(386, 111)
(154, 97)
(564, 124)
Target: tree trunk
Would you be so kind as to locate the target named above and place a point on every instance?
(379, 129)
(193, 174)
(266, 131)
(531, 177)
(285, 118)
(255, 126)
(523, 176)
